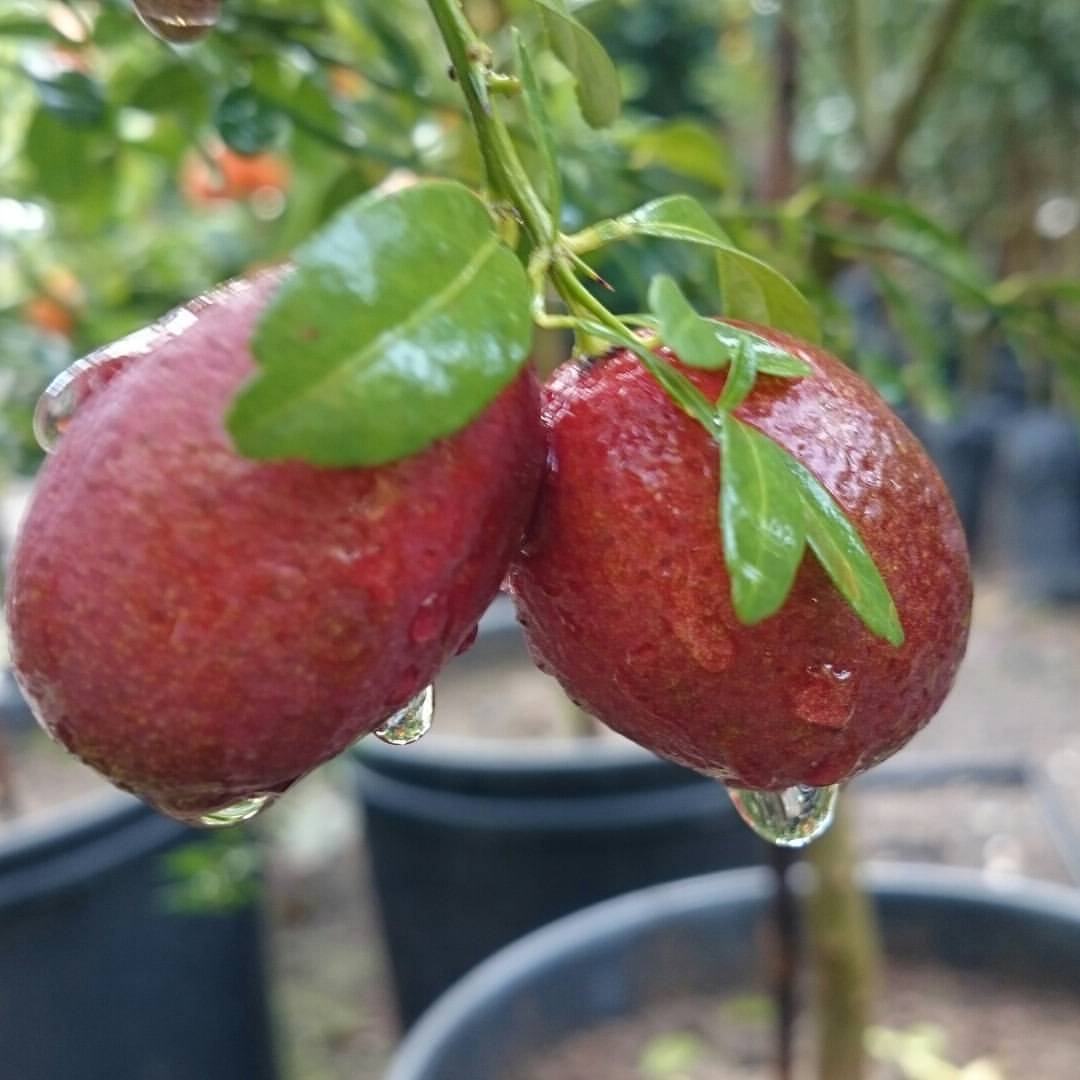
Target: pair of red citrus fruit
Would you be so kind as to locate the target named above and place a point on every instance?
(204, 629)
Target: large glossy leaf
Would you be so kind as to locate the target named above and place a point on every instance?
(598, 89)
(540, 128)
(761, 519)
(844, 556)
(404, 317)
(705, 343)
(674, 217)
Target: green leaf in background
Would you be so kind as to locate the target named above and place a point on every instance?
(705, 343)
(598, 90)
(72, 97)
(540, 127)
(686, 148)
(844, 556)
(247, 123)
(754, 292)
(175, 87)
(404, 318)
(23, 26)
(761, 520)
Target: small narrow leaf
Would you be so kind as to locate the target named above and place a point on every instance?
(598, 90)
(740, 381)
(404, 317)
(844, 556)
(705, 343)
(675, 217)
(540, 127)
(674, 383)
(754, 292)
(761, 519)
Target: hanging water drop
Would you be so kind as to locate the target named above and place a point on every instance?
(179, 22)
(62, 398)
(410, 723)
(241, 810)
(790, 818)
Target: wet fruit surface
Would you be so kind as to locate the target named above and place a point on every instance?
(624, 594)
(204, 628)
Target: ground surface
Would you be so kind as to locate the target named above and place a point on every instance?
(1017, 698)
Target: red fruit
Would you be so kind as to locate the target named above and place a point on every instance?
(233, 177)
(201, 627)
(624, 594)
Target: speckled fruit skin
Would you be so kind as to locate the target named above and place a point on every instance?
(200, 627)
(624, 596)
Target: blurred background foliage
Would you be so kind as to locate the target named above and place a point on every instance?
(912, 166)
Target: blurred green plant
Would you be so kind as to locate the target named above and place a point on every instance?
(209, 876)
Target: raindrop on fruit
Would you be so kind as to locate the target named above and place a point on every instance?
(790, 818)
(410, 723)
(179, 22)
(62, 397)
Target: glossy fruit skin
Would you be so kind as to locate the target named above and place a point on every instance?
(624, 595)
(201, 627)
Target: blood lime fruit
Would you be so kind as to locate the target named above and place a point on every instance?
(624, 595)
(203, 628)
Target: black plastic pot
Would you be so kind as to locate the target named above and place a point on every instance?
(473, 843)
(700, 936)
(1040, 476)
(100, 980)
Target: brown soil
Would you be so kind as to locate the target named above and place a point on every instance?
(1025, 1034)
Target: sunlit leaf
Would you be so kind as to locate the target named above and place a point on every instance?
(404, 317)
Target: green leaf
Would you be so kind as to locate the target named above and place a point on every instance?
(23, 26)
(404, 318)
(540, 127)
(175, 87)
(754, 292)
(247, 122)
(740, 381)
(598, 90)
(72, 97)
(674, 217)
(761, 519)
(685, 148)
(705, 343)
(674, 383)
(844, 556)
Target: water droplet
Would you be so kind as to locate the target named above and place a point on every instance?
(827, 698)
(179, 22)
(410, 723)
(789, 818)
(429, 620)
(65, 394)
(242, 810)
(468, 641)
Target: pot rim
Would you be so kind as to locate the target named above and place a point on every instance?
(624, 917)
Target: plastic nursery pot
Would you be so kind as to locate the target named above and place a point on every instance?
(1040, 477)
(473, 842)
(700, 937)
(100, 979)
